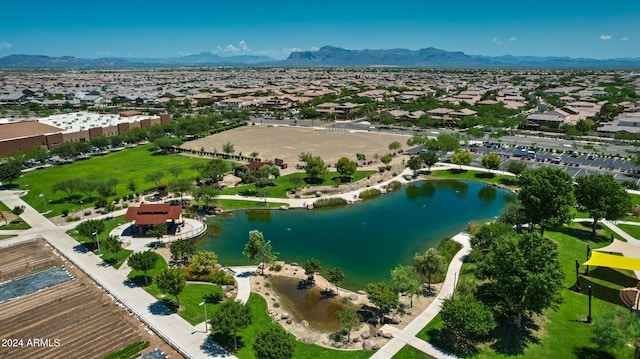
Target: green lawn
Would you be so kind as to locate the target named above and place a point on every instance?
(283, 184)
(632, 230)
(478, 176)
(261, 321)
(137, 276)
(409, 352)
(231, 204)
(562, 333)
(114, 259)
(3, 207)
(17, 223)
(190, 299)
(128, 163)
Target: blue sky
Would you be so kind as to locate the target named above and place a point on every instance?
(275, 28)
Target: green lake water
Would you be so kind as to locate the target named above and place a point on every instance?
(366, 240)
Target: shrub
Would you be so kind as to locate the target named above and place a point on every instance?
(276, 267)
(216, 296)
(382, 169)
(276, 305)
(388, 167)
(370, 193)
(72, 219)
(101, 202)
(219, 277)
(393, 186)
(318, 194)
(629, 184)
(65, 212)
(17, 210)
(329, 202)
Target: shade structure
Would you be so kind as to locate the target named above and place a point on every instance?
(599, 259)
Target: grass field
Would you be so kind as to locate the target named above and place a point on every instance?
(632, 230)
(231, 204)
(137, 276)
(131, 163)
(409, 352)
(479, 176)
(190, 299)
(114, 259)
(562, 333)
(284, 183)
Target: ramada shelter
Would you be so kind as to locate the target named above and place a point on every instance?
(148, 214)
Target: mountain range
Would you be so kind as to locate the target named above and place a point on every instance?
(327, 56)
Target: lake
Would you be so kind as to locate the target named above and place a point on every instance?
(366, 240)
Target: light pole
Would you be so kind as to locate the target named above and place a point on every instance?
(25, 181)
(97, 241)
(203, 304)
(43, 202)
(82, 208)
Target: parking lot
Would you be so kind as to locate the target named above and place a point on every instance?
(576, 164)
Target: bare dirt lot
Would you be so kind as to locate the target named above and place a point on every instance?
(74, 319)
(288, 142)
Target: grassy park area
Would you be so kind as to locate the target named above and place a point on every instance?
(561, 333)
(130, 163)
(114, 259)
(283, 184)
(478, 176)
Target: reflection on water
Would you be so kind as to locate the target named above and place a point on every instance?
(308, 304)
(258, 215)
(423, 189)
(488, 193)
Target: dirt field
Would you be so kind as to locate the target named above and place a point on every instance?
(74, 319)
(288, 142)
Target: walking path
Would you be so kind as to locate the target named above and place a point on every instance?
(408, 334)
(171, 327)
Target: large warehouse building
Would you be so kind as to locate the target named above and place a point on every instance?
(54, 130)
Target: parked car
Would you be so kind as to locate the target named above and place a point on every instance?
(591, 156)
(556, 160)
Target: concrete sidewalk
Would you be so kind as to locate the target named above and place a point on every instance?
(191, 341)
(407, 335)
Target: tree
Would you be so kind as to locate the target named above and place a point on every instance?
(154, 177)
(258, 249)
(228, 149)
(88, 228)
(386, 159)
(546, 195)
(602, 197)
(175, 171)
(465, 320)
(171, 281)
(157, 230)
(491, 161)
(274, 343)
(69, 186)
(335, 276)
(462, 158)
(230, 317)
(394, 146)
(143, 261)
(112, 244)
(166, 143)
(414, 163)
(181, 186)
(316, 169)
(429, 158)
(615, 329)
(524, 274)
(515, 167)
(206, 259)
(404, 281)
(349, 320)
(428, 264)
(9, 172)
(182, 247)
(311, 267)
(213, 171)
(448, 143)
(345, 167)
(383, 297)
(106, 187)
(205, 194)
(88, 187)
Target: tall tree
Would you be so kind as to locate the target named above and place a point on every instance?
(9, 172)
(171, 281)
(259, 249)
(316, 169)
(394, 146)
(465, 320)
(89, 227)
(602, 197)
(383, 297)
(414, 163)
(206, 259)
(69, 186)
(181, 186)
(143, 261)
(345, 167)
(231, 317)
(205, 194)
(448, 143)
(228, 148)
(274, 343)
(462, 158)
(311, 267)
(429, 158)
(403, 278)
(491, 161)
(524, 274)
(546, 195)
(112, 244)
(157, 230)
(615, 329)
(154, 177)
(182, 247)
(335, 276)
(515, 167)
(349, 320)
(428, 264)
